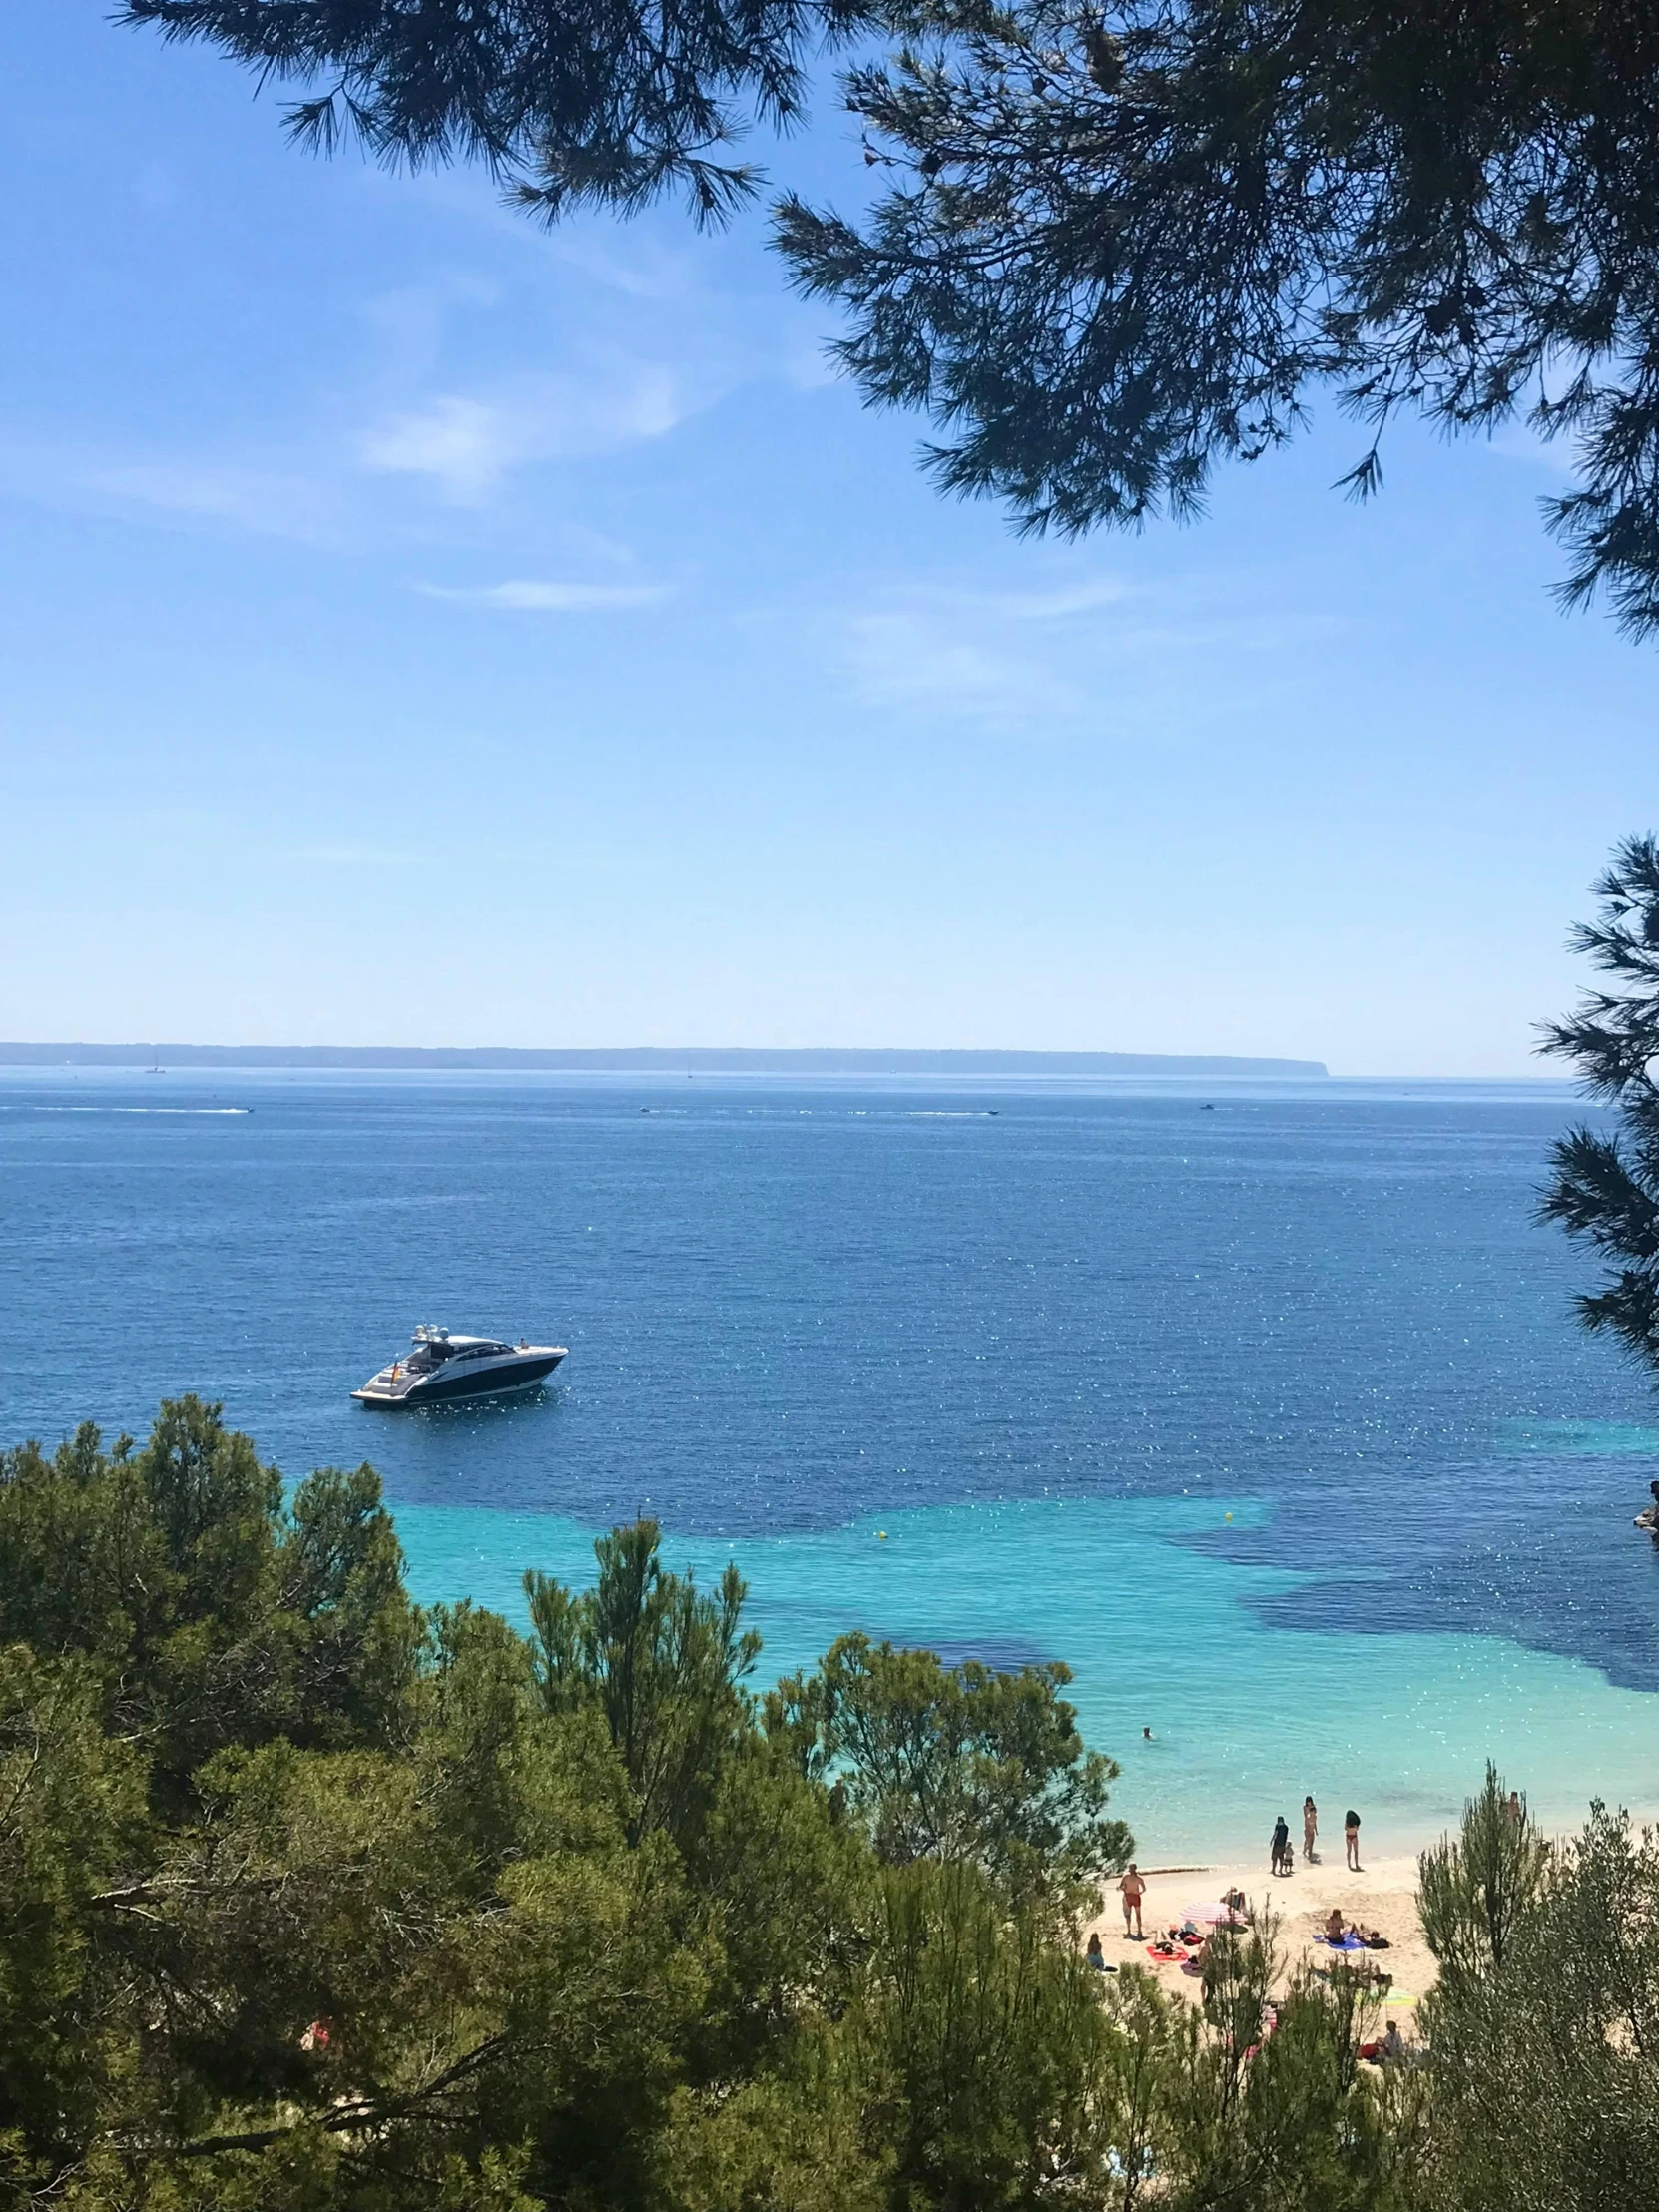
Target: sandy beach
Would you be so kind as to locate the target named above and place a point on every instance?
(1382, 1895)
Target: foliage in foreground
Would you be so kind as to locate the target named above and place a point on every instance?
(1605, 1185)
(605, 103)
(1123, 242)
(314, 1901)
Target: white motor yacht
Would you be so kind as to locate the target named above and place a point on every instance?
(444, 1366)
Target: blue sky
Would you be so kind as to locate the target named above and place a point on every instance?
(419, 628)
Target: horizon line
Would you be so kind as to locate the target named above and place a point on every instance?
(736, 1059)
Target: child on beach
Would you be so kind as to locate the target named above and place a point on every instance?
(1132, 1889)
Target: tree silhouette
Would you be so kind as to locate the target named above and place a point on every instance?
(1122, 245)
(1605, 1187)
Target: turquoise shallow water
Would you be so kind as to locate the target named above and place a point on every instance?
(1047, 1336)
(1246, 1719)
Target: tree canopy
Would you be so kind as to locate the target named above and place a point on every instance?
(1119, 244)
(311, 1901)
(570, 102)
(309, 1898)
(954, 1763)
(1604, 1187)
(1544, 2025)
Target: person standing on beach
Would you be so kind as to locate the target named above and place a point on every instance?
(1132, 1889)
(1310, 1828)
(1279, 1859)
(1350, 1834)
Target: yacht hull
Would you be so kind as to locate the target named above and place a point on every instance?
(498, 1378)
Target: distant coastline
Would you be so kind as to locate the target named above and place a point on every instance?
(693, 1060)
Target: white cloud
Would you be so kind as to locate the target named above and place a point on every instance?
(268, 502)
(1090, 653)
(914, 662)
(634, 263)
(997, 657)
(593, 545)
(1519, 441)
(524, 595)
(1059, 605)
(467, 445)
(460, 442)
(351, 856)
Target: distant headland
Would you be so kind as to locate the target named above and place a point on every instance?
(659, 1059)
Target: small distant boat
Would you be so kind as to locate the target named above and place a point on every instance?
(444, 1367)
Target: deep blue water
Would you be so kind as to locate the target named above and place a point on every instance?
(789, 1308)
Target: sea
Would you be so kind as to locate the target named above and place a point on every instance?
(1263, 1407)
